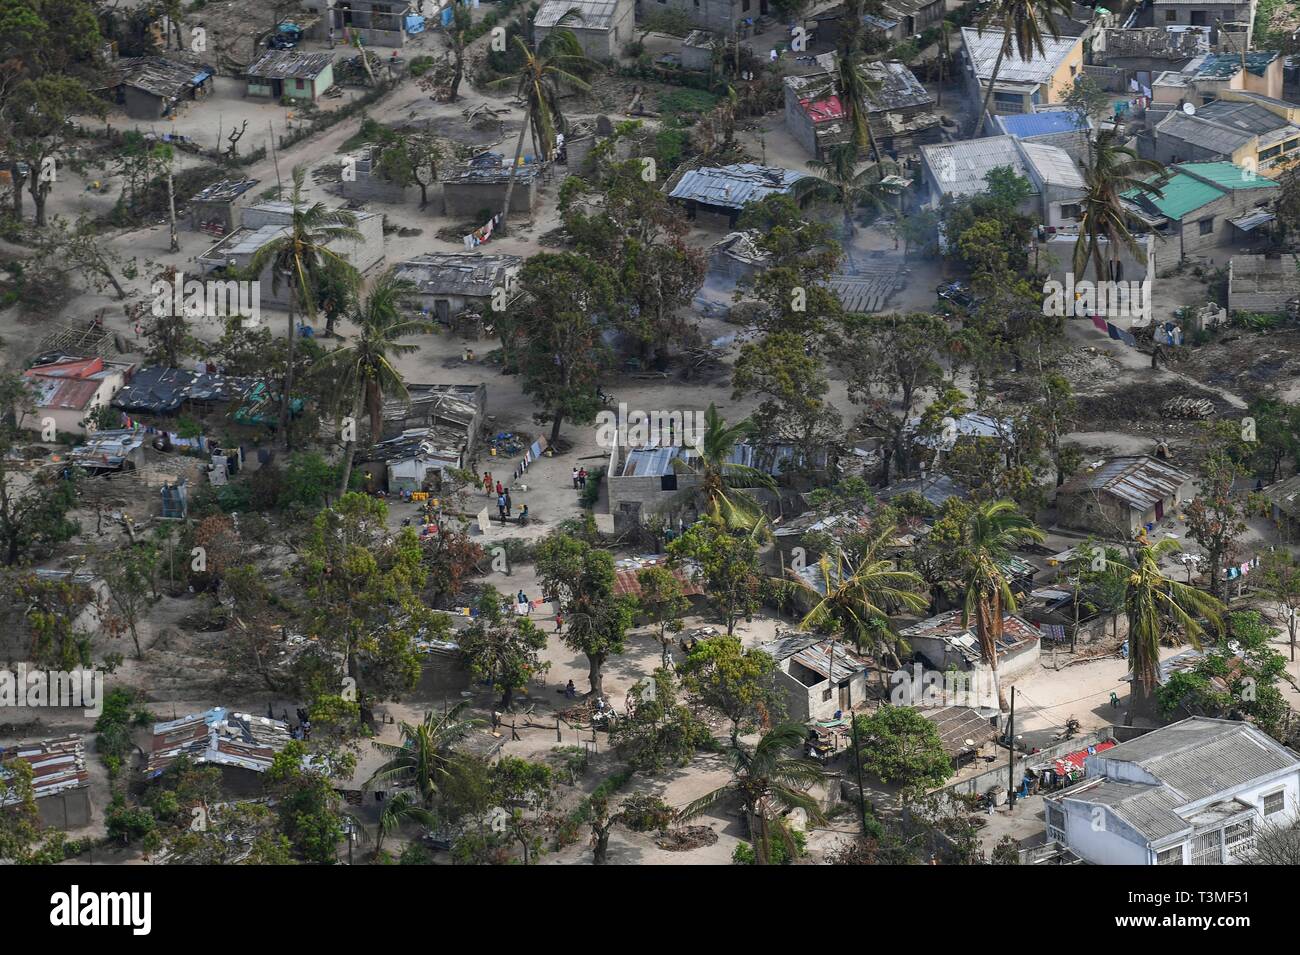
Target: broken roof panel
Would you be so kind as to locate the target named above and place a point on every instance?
(733, 186)
(471, 274)
(285, 64)
(57, 765)
(217, 737)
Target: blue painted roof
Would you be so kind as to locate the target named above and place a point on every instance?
(1024, 125)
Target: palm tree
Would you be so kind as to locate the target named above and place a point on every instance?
(850, 184)
(369, 375)
(1021, 23)
(539, 83)
(401, 809)
(856, 89)
(425, 758)
(1150, 599)
(723, 484)
(764, 775)
(1112, 171)
(298, 257)
(992, 531)
(859, 596)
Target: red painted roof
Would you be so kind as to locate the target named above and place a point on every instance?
(67, 384)
(823, 110)
(1074, 761)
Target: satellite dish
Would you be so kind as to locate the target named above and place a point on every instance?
(1189, 109)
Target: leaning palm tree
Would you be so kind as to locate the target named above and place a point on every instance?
(764, 777)
(1112, 171)
(398, 811)
(724, 485)
(1021, 23)
(298, 258)
(368, 374)
(993, 530)
(851, 184)
(425, 758)
(857, 90)
(857, 596)
(1151, 599)
(544, 75)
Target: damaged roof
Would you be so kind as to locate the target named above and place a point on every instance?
(948, 627)
(226, 190)
(287, 64)
(733, 186)
(626, 582)
(159, 76)
(57, 765)
(218, 737)
(957, 724)
(1139, 481)
(70, 383)
(471, 274)
(814, 652)
(159, 390)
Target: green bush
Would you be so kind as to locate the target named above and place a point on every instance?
(745, 854)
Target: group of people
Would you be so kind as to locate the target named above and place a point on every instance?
(579, 478)
(504, 504)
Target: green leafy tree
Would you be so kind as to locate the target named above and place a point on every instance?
(897, 744)
(663, 601)
(363, 585)
(500, 649)
(793, 386)
(1279, 582)
(728, 564)
(721, 674)
(565, 304)
(306, 803)
(658, 731)
(39, 119)
(581, 579)
(131, 577)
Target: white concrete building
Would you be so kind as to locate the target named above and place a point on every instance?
(1191, 793)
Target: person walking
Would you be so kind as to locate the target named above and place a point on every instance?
(508, 505)
(582, 478)
(559, 623)
(501, 507)
(500, 490)
(487, 482)
(575, 479)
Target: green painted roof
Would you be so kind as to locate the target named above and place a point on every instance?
(1225, 175)
(1180, 195)
(1195, 184)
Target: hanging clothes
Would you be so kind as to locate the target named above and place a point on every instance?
(1112, 331)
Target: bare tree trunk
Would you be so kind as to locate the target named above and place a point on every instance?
(288, 376)
(988, 95)
(175, 244)
(510, 184)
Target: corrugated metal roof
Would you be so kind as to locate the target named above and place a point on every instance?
(587, 14)
(1203, 132)
(458, 273)
(57, 765)
(731, 187)
(1226, 175)
(1024, 125)
(218, 737)
(814, 652)
(282, 64)
(1179, 195)
(1139, 481)
(960, 168)
(983, 51)
(1053, 165)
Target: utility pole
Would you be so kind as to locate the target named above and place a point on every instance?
(857, 758)
(1011, 748)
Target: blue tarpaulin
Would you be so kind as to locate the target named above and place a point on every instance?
(414, 24)
(446, 16)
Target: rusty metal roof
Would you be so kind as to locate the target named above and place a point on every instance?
(57, 764)
(1139, 480)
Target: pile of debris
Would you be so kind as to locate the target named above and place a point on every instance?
(1187, 409)
(686, 838)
